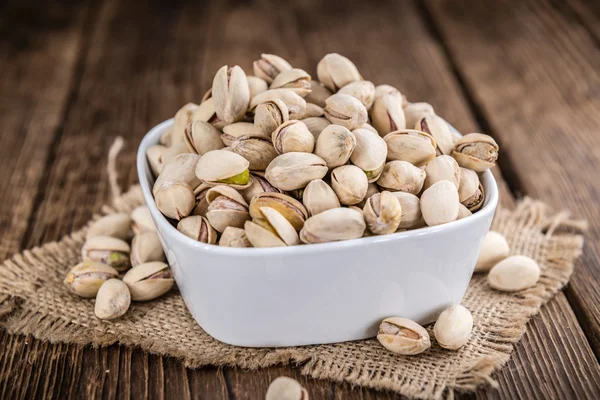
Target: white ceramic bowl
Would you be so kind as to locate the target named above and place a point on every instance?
(323, 293)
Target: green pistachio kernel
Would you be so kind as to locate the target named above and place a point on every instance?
(239, 179)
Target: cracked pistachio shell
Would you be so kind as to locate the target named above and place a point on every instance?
(318, 196)
(312, 111)
(141, 220)
(350, 184)
(514, 273)
(224, 167)
(85, 278)
(335, 145)
(387, 114)
(169, 154)
(415, 111)
(107, 250)
(402, 176)
(371, 190)
(113, 299)
(453, 327)
(226, 207)
(286, 205)
(269, 115)
(439, 130)
(416, 147)
(333, 225)
(116, 225)
(316, 125)
(284, 388)
(403, 336)
(175, 199)
(296, 105)
(293, 136)
(470, 192)
(258, 185)
(206, 112)
(370, 153)
(463, 212)
(237, 129)
(318, 93)
(145, 248)
(256, 85)
(380, 90)
(198, 228)
(291, 171)
(336, 71)
(258, 150)
(201, 204)
(439, 203)
(295, 79)
(364, 91)
(382, 213)
(234, 237)
(345, 110)
(154, 156)
(442, 168)
(230, 93)
(182, 119)
(202, 137)
(476, 151)
(181, 169)
(272, 230)
(269, 66)
(411, 210)
(494, 249)
(149, 280)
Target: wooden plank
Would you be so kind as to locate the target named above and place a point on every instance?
(542, 104)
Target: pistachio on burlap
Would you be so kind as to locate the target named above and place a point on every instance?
(107, 250)
(453, 327)
(149, 280)
(494, 249)
(514, 273)
(141, 220)
(113, 299)
(117, 225)
(85, 278)
(146, 247)
(403, 336)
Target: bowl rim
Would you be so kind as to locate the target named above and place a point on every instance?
(152, 138)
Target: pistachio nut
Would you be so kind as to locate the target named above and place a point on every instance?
(370, 153)
(113, 299)
(335, 145)
(284, 388)
(146, 247)
(439, 130)
(442, 168)
(411, 210)
(470, 192)
(293, 136)
(258, 185)
(175, 199)
(85, 278)
(439, 203)
(312, 111)
(380, 90)
(402, 176)
(296, 105)
(206, 112)
(269, 115)
(416, 147)
(154, 156)
(234, 237)
(224, 167)
(290, 208)
(349, 184)
(318, 196)
(315, 125)
(201, 137)
(165, 138)
(182, 119)
(371, 190)
(476, 151)
(207, 95)
(181, 169)
(514, 273)
(336, 71)
(295, 79)
(382, 213)
(201, 206)
(364, 91)
(258, 150)
(198, 228)
(169, 154)
(256, 85)
(272, 230)
(117, 225)
(235, 130)
(141, 220)
(345, 110)
(318, 93)
(333, 225)
(226, 207)
(453, 327)
(463, 212)
(403, 336)
(290, 171)
(107, 250)
(387, 114)
(415, 111)
(149, 280)
(269, 66)
(230, 93)
(494, 249)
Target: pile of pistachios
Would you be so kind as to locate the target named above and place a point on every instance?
(115, 272)
(280, 159)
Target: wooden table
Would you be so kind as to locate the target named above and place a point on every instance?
(76, 74)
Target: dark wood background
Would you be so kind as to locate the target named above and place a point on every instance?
(76, 74)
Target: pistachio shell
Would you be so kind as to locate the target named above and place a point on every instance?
(256, 85)
(113, 299)
(349, 184)
(287, 206)
(463, 212)
(269, 115)
(234, 237)
(345, 110)
(514, 273)
(284, 388)
(141, 220)
(85, 278)
(411, 210)
(370, 153)
(226, 207)
(439, 130)
(333, 225)
(387, 114)
(318, 196)
(295, 170)
(269, 66)
(335, 145)
(442, 168)
(154, 156)
(169, 154)
(238, 129)
(316, 125)
(453, 328)
(364, 91)
(198, 228)
(371, 190)
(258, 185)
(146, 247)
(380, 90)
(230, 93)
(470, 192)
(296, 105)
(439, 203)
(107, 250)
(117, 225)
(293, 136)
(476, 151)
(403, 336)
(165, 138)
(182, 119)
(202, 137)
(181, 169)
(206, 112)
(336, 71)
(149, 280)
(295, 79)
(402, 176)
(258, 150)
(368, 127)
(415, 111)
(313, 111)
(382, 213)
(218, 166)
(282, 226)
(416, 147)
(494, 249)
(261, 234)
(175, 199)
(201, 206)
(318, 93)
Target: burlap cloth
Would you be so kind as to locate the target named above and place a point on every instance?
(34, 301)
